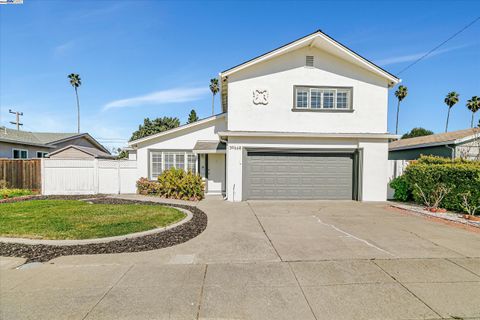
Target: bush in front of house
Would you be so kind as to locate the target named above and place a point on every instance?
(12, 193)
(174, 184)
(402, 189)
(459, 177)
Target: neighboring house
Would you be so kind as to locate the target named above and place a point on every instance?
(80, 152)
(305, 121)
(17, 144)
(455, 144)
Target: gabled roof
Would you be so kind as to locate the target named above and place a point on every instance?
(322, 41)
(177, 129)
(43, 139)
(454, 137)
(91, 151)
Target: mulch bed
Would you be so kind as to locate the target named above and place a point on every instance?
(168, 238)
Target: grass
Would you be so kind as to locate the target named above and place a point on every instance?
(11, 193)
(73, 219)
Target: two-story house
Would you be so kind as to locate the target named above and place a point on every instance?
(307, 120)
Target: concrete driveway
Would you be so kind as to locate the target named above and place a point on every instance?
(267, 260)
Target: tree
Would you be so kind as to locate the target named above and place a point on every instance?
(401, 93)
(150, 127)
(122, 153)
(450, 100)
(76, 82)
(473, 105)
(214, 88)
(417, 132)
(192, 117)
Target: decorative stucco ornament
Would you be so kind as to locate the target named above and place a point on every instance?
(260, 96)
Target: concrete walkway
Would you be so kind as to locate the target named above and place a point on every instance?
(266, 260)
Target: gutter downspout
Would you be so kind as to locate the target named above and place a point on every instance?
(454, 151)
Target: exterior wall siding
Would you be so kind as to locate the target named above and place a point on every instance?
(6, 150)
(279, 76)
(413, 154)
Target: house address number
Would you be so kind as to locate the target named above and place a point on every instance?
(234, 148)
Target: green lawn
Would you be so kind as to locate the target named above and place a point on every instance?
(72, 219)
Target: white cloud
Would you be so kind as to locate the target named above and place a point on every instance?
(63, 48)
(174, 95)
(415, 56)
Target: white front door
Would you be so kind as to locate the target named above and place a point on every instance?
(216, 173)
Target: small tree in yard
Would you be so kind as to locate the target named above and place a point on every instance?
(433, 199)
(192, 117)
(450, 100)
(469, 204)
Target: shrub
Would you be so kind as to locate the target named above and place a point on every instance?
(459, 177)
(12, 193)
(174, 184)
(402, 189)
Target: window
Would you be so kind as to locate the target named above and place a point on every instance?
(169, 160)
(19, 154)
(41, 154)
(160, 161)
(318, 98)
(191, 162)
(156, 163)
(302, 98)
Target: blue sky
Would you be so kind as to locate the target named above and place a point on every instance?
(152, 58)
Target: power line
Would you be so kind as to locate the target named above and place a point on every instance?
(441, 44)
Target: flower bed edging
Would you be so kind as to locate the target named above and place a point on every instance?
(173, 236)
(450, 216)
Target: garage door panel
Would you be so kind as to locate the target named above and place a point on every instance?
(299, 176)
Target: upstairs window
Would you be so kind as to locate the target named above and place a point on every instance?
(323, 98)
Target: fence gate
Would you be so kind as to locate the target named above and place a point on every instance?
(21, 174)
(91, 176)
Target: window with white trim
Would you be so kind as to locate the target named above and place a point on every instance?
(164, 160)
(19, 154)
(323, 98)
(41, 154)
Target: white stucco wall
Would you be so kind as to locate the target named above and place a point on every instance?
(180, 140)
(281, 74)
(373, 175)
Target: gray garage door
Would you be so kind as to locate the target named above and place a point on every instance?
(324, 176)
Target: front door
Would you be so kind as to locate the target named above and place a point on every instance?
(216, 173)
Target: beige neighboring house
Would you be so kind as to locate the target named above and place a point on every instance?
(18, 144)
(456, 144)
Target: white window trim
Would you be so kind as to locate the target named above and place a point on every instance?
(163, 152)
(44, 153)
(322, 89)
(20, 150)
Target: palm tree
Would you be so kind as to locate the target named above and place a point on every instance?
(450, 100)
(76, 82)
(214, 88)
(401, 93)
(473, 105)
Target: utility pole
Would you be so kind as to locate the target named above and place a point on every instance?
(17, 118)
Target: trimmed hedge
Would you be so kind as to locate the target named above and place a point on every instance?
(460, 176)
(174, 184)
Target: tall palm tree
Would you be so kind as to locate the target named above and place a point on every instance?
(401, 93)
(214, 88)
(450, 100)
(473, 105)
(76, 82)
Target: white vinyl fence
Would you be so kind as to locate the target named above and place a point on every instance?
(91, 176)
(395, 169)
